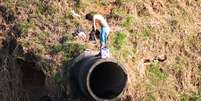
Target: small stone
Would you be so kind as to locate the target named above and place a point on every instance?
(199, 35)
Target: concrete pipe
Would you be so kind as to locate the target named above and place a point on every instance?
(101, 79)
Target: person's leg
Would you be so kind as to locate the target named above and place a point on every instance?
(106, 36)
(101, 40)
(103, 36)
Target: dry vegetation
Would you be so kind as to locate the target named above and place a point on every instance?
(159, 41)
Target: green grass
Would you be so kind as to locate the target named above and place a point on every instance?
(118, 13)
(104, 2)
(119, 40)
(155, 72)
(183, 98)
(124, 2)
(44, 8)
(128, 22)
(69, 50)
(193, 97)
(58, 78)
(130, 42)
(195, 43)
(82, 5)
(143, 34)
(120, 2)
(25, 26)
(150, 97)
(155, 82)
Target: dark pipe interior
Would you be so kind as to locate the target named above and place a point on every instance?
(107, 80)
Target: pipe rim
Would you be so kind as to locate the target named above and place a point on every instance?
(90, 72)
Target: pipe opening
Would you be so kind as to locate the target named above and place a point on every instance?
(107, 80)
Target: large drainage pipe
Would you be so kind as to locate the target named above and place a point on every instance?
(101, 79)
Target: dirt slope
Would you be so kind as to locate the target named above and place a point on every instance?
(158, 41)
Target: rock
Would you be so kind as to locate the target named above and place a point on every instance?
(199, 35)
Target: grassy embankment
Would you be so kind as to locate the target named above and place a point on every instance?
(141, 30)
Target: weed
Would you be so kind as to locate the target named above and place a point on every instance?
(104, 2)
(194, 44)
(142, 10)
(195, 97)
(128, 22)
(150, 98)
(9, 3)
(173, 25)
(156, 78)
(119, 40)
(45, 8)
(118, 13)
(143, 34)
(180, 64)
(78, 3)
(123, 2)
(155, 72)
(65, 37)
(183, 98)
(24, 26)
(57, 48)
(43, 35)
(69, 50)
(58, 78)
(39, 49)
(81, 5)
(40, 19)
(146, 32)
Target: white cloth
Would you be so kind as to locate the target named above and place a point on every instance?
(82, 35)
(105, 53)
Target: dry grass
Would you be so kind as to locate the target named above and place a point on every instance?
(149, 28)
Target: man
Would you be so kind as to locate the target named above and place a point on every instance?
(105, 29)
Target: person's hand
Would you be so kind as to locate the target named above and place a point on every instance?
(82, 36)
(93, 29)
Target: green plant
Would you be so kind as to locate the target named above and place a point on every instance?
(128, 21)
(24, 26)
(150, 97)
(195, 97)
(122, 2)
(194, 43)
(81, 5)
(118, 13)
(69, 50)
(183, 98)
(42, 36)
(180, 64)
(155, 72)
(144, 33)
(44, 8)
(173, 25)
(58, 78)
(57, 48)
(119, 40)
(104, 2)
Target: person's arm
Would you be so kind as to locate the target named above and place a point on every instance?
(94, 22)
